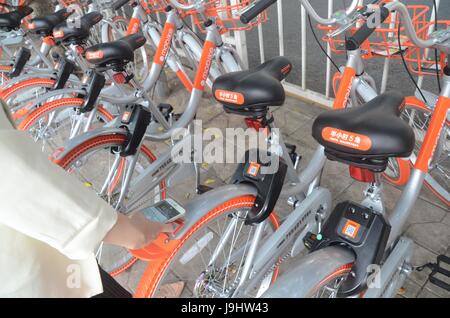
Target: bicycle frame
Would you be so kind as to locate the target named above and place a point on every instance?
(315, 200)
(136, 191)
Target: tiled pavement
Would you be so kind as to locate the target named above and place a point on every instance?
(428, 226)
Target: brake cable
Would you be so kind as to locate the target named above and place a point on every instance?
(436, 59)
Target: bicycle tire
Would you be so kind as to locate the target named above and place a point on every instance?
(157, 270)
(107, 141)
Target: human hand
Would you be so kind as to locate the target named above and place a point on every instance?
(135, 231)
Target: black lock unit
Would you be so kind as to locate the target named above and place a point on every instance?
(135, 119)
(93, 89)
(20, 60)
(360, 229)
(268, 185)
(65, 68)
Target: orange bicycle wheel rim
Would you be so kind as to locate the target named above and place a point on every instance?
(167, 250)
(100, 141)
(34, 82)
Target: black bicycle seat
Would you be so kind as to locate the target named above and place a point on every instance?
(12, 20)
(44, 25)
(251, 92)
(76, 31)
(368, 135)
(115, 53)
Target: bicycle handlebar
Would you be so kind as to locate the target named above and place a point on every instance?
(327, 21)
(254, 10)
(409, 27)
(185, 7)
(119, 4)
(365, 31)
(258, 7)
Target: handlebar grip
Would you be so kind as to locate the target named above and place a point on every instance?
(119, 4)
(26, 10)
(365, 32)
(253, 11)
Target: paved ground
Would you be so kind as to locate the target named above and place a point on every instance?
(428, 226)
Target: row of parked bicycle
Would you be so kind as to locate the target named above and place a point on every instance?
(83, 82)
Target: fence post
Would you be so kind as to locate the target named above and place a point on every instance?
(280, 27)
(303, 26)
(328, 79)
(430, 30)
(262, 55)
(240, 38)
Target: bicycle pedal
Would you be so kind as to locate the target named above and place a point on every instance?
(203, 189)
(176, 116)
(292, 148)
(312, 240)
(295, 157)
(165, 109)
(439, 271)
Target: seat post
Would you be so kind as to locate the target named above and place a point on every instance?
(374, 194)
(262, 121)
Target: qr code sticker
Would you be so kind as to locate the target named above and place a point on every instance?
(351, 229)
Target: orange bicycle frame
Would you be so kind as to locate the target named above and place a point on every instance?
(345, 88)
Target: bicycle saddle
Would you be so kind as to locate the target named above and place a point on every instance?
(251, 92)
(44, 25)
(366, 136)
(76, 31)
(115, 53)
(12, 20)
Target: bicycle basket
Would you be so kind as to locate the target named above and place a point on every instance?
(384, 41)
(152, 6)
(423, 61)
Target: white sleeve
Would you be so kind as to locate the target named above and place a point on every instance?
(41, 200)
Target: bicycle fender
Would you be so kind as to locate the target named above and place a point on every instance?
(309, 271)
(202, 204)
(79, 139)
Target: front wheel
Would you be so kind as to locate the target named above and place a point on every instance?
(317, 275)
(98, 164)
(54, 123)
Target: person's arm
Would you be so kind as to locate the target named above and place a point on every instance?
(43, 201)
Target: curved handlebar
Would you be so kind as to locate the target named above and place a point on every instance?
(327, 21)
(119, 4)
(254, 10)
(185, 7)
(409, 27)
(261, 5)
(365, 31)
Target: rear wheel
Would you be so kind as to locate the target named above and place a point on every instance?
(329, 286)
(54, 123)
(97, 163)
(319, 274)
(20, 96)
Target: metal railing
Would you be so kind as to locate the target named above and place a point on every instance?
(301, 90)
